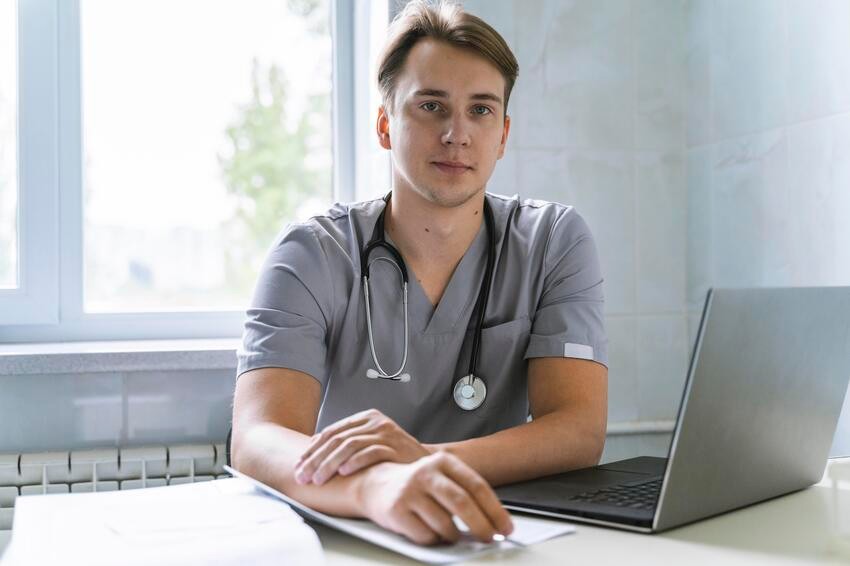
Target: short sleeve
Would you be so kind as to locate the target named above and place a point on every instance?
(287, 321)
(569, 321)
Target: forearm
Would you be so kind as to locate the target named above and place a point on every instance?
(554, 443)
(268, 452)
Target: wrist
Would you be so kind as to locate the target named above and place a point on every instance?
(434, 448)
(363, 483)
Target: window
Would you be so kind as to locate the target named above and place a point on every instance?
(172, 142)
(8, 146)
(204, 133)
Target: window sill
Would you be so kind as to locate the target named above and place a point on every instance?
(118, 355)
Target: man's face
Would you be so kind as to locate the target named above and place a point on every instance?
(447, 129)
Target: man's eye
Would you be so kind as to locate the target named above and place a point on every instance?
(430, 106)
(485, 110)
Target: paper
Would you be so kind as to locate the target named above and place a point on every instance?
(527, 531)
(201, 523)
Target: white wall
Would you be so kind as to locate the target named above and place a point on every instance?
(80, 410)
(706, 143)
(598, 121)
(768, 147)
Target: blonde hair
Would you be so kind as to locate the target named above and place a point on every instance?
(444, 21)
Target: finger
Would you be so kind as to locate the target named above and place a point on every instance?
(307, 467)
(346, 449)
(457, 501)
(367, 457)
(414, 528)
(484, 496)
(317, 440)
(437, 518)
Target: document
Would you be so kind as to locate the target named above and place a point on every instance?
(218, 522)
(527, 531)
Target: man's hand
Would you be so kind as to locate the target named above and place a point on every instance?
(418, 500)
(354, 443)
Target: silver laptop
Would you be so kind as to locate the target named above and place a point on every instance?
(764, 390)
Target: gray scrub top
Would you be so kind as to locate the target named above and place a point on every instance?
(546, 300)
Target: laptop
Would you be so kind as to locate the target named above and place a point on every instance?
(763, 394)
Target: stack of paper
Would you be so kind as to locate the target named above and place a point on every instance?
(216, 522)
(527, 531)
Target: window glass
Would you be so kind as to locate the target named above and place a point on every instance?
(8, 145)
(207, 127)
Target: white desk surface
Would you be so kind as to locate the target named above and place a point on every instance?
(793, 529)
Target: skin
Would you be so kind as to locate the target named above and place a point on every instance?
(433, 215)
(448, 107)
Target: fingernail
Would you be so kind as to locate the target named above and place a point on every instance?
(319, 479)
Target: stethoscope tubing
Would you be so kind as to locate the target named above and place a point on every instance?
(383, 373)
(378, 241)
(483, 293)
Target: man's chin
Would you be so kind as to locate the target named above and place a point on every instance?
(448, 197)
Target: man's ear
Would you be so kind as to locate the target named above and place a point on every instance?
(505, 131)
(383, 128)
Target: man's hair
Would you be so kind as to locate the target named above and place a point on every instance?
(443, 21)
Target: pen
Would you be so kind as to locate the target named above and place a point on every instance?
(500, 538)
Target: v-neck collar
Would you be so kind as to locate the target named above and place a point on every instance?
(459, 296)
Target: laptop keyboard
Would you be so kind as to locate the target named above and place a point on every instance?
(641, 495)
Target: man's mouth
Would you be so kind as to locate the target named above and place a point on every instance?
(451, 167)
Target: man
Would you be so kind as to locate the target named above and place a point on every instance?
(411, 448)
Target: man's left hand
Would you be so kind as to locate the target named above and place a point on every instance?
(354, 443)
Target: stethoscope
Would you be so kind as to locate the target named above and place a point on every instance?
(469, 391)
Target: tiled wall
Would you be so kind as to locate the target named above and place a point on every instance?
(768, 147)
(770, 172)
(92, 410)
(707, 142)
(599, 122)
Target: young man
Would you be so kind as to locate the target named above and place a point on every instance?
(505, 289)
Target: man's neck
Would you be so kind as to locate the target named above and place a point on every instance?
(427, 234)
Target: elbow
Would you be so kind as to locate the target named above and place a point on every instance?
(596, 442)
(235, 449)
(597, 447)
(592, 449)
(231, 450)
(596, 436)
(584, 451)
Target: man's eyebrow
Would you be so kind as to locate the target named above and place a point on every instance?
(444, 94)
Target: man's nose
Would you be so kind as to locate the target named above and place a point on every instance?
(457, 132)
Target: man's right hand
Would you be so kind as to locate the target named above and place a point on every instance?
(418, 500)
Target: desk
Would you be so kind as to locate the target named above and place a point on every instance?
(793, 529)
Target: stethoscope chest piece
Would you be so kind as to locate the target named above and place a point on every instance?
(470, 393)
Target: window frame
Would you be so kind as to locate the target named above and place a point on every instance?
(48, 304)
(35, 299)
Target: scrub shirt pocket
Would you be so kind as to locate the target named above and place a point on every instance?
(503, 366)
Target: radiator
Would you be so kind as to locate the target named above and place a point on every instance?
(104, 469)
